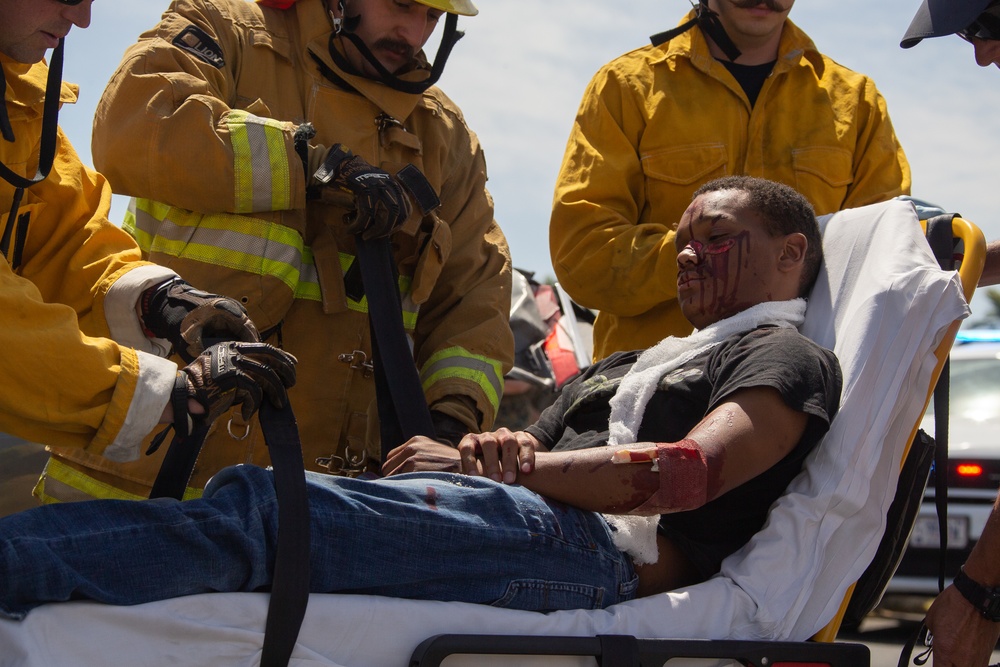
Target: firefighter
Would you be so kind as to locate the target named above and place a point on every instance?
(736, 88)
(259, 141)
(86, 322)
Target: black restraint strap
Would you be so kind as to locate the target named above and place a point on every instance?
(189, 436)
(290, 581)
(402, 408)
(941, 239)
(942, 242)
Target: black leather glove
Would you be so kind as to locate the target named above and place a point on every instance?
(380, 202)
(237, 373)
(186, 317)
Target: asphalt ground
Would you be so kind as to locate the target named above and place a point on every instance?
(885, 631)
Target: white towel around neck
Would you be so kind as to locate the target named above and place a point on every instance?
(636, 535)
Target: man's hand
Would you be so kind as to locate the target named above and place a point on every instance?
(421, 454)
(499, 455)
(380, 202)
(186, 316)
(962, 637)
(236, 373)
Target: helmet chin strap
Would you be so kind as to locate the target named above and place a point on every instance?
(346, 28)
(710, 24)
(47, 147)
(50, 124)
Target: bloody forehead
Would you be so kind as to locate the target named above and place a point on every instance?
(728, 200)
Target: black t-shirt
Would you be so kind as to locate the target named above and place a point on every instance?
(750, 77)
(806, 375)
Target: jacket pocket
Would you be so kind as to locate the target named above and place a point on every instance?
(687, 164)
(823, 174)
(673, 175)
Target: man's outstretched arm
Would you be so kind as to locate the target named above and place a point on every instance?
(741, 438)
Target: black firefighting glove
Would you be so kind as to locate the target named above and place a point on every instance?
(236, 373)
(380, 202)
(187, 317)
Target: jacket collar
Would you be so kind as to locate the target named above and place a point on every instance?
(793, 47)
(26, 86)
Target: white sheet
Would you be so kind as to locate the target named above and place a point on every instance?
(881, 304)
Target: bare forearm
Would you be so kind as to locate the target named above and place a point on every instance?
(962, 635)
(589, 480)
(983, 564)
(991, 271)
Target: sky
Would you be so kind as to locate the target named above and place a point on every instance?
(521, 69)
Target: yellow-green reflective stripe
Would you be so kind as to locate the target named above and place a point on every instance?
(76, 479)
(141, 236)
(260, 163)
(457, 362)
(238, 242)
(243, 243)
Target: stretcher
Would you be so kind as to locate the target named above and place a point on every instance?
(887, 310)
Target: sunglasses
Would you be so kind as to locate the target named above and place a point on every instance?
(71, 3)
(986, 25)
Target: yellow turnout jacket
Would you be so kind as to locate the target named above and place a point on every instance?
(69, 280)
(660, 121)
(197, 125)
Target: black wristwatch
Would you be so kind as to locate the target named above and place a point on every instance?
(985, 600)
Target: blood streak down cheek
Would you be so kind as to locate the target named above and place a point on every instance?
(690, 476)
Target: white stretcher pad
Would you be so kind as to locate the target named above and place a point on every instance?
(881, 303)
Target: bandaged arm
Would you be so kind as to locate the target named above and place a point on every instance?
(750, 431)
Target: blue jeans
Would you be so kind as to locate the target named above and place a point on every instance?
(425, 536)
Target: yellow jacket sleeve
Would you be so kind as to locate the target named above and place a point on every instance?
(64, 381)
(170, 108)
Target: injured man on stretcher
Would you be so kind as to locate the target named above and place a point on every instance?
(647, 471)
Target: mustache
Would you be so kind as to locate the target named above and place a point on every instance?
(396, 46)
(747, 4)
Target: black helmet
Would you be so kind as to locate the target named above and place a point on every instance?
(937, 18)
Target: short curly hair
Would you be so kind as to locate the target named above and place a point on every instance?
(784, 211)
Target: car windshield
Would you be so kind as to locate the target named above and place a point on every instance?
(975, 389)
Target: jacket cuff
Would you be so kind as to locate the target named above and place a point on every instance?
(120, 308)
(154, 383)
(461, 409)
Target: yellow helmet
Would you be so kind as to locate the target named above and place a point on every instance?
(462, 7)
